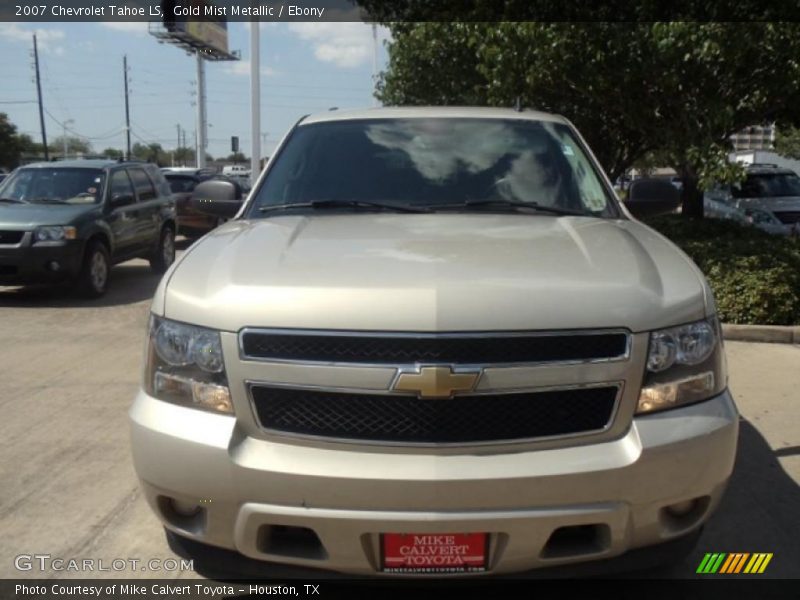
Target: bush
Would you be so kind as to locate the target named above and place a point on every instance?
(755, 276)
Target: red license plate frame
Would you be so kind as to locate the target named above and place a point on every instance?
(434, 553)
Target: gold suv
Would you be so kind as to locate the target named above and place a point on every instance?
(432, 341)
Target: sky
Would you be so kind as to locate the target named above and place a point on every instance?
(305, 68)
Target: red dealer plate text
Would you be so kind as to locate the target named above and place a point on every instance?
(434, 552)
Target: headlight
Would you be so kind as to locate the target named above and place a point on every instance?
(685, 364)
(54, 233)
(184, 365)
(685, 345)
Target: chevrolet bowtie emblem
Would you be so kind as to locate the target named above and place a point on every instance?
(436, 382)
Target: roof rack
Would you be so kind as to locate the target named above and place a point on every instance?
(773, 165)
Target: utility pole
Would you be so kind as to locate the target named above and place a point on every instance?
(127, 110)
(255, 101)
(179, 136)
(39, 93)
(64, 125)
(374, 60)
(200, 145)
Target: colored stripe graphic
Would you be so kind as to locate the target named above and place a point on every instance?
(741, 562)
(711, 562)
(758, 563)
(733, 563)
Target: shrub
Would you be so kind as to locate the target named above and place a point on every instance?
(755, 276)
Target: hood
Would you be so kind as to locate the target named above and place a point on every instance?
(439, 272)
(27, 216)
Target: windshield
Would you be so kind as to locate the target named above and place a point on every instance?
(766, 186)
(56, 185)
(436, 162)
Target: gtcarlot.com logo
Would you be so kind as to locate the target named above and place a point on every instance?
(734, 563)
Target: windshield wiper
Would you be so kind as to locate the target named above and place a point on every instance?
(368, 204)
(513, 204)
(13, 200)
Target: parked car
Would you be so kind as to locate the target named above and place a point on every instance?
(720, 204)
(236, 170)
(73, 220)
(191, 222)
(771, 188)
(432, 342)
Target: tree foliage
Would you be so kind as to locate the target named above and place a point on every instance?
(787, 142)
(675, 89)
(10, 144)
(75, 145)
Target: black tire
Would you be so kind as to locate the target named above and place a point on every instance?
(164, 255)
(93, 278)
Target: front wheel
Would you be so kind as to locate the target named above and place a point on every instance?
(93, 278)
(164, 255)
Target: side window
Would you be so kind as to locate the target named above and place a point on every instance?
(144, 187)
(161, 183)
(120, 185)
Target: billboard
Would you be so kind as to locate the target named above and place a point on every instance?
(197, 24)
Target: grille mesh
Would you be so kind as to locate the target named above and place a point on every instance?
(11, 237)
(407, 419)
(407, 349)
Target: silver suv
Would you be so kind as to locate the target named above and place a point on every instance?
(432, 341)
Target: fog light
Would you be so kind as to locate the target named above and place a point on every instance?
(54, 266)
(184, 509)
(681, 508)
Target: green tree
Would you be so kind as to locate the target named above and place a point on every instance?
(674, 89)
(113, 153)
(184, 156)
(787, 142)
(28, 147)
(75, 145)
(152, 152)
(237, 157)
(10, 145)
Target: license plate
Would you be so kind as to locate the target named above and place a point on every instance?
(434, 553)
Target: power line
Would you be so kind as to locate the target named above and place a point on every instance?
(115, 133)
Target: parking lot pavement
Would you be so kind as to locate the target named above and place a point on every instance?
(71, 367)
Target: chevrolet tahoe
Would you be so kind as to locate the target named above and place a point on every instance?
(432, 342)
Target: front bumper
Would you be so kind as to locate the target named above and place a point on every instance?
(247, 488)
(44, 262)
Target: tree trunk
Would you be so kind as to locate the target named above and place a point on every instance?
(691, 194)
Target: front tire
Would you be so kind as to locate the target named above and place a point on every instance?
(93, 278)
(164, 255)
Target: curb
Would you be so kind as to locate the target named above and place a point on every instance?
(770, 334)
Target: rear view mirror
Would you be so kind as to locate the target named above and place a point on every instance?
(217, 198)
(651, 197)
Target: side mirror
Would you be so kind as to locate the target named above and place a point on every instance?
(217, 198)
(118, 200)
(651, 197)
